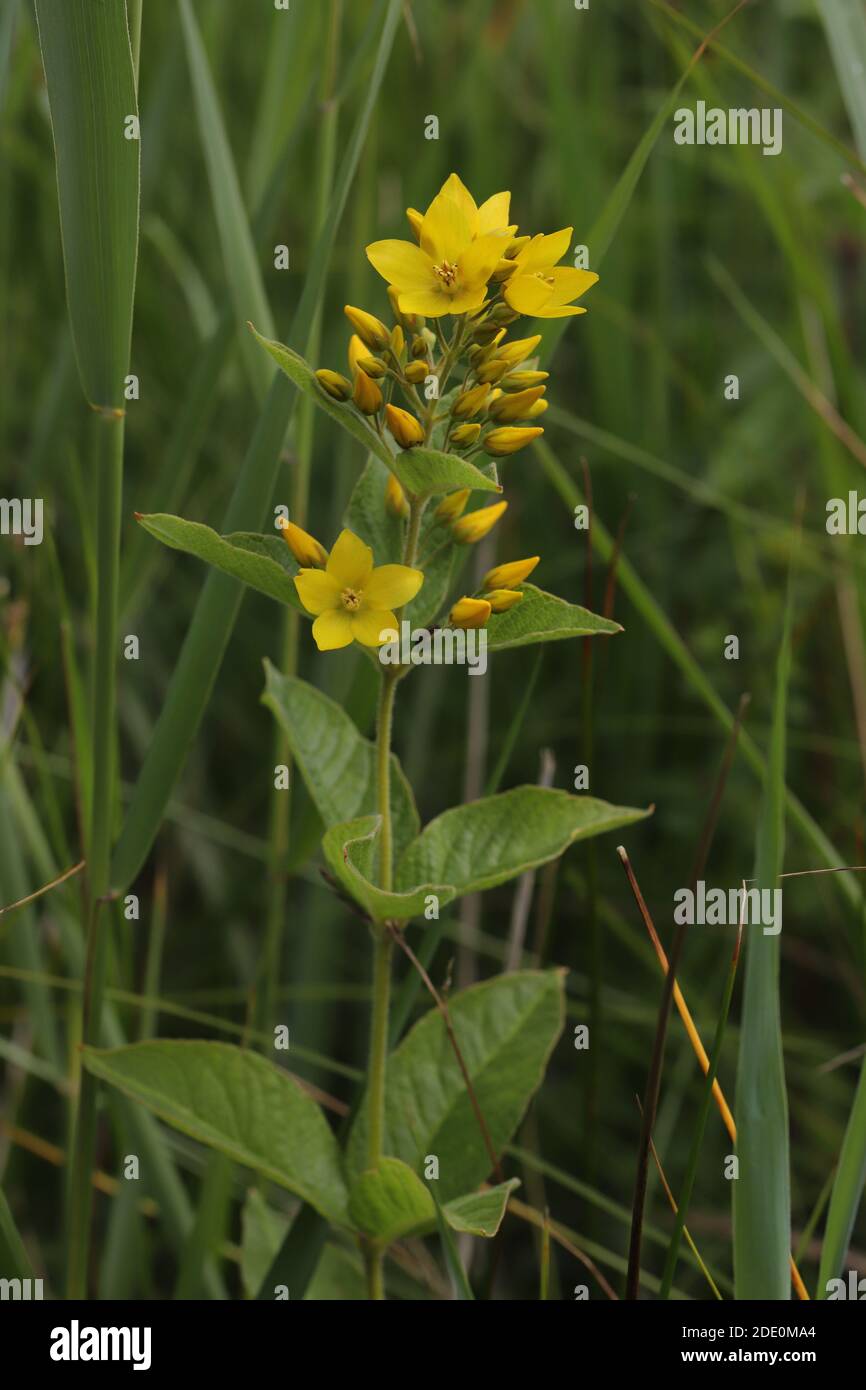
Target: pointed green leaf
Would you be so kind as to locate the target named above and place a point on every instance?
(480, 1213)
(91, 96)
(541, 617)
(430, 473)
(337, 763)
(239, 1103)
(469, 848)
(506, 1029)
(262, 562)
(390, 1201)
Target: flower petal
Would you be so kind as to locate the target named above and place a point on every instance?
(559, 311)
(401, 264)
(350, 562)
(390, 586)
(455, 189)
(570, 283)
(447, 230)
(332, 630)
(472, 297)
(526, 293)
(432, 303)
(317, 590)
(478, 262)
(493, 214)
(370, 625)
(544, 251)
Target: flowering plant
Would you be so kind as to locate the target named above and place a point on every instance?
(439, 1109)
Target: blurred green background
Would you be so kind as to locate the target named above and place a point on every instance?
(717, 261)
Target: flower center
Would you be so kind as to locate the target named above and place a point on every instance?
(447, 273)
(351, 600)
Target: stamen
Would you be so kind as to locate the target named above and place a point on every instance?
(351, 600)
(447, 273)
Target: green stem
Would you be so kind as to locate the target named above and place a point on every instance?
(109, 500)
(381, 966)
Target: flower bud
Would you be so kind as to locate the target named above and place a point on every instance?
(398, 342)
(509, 439)
(396, 501)
(305, 548)
(504, 270)
(476, 525)
(468, 403)
(501, 600)
(373, 366)
(419, 347)
(537, 409)
(357, 350)
(367, 396)
(517, 406)
(521, 381)
(469, 612)
(492, 370)
(453, 505)
(516, 246)
(519, 350)
(464, 435)
(485, 333)
(406, 430)
(509, 575)
(368, 328)
(416, 371)
(334, 384)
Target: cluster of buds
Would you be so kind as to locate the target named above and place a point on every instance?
(492, 413)
(500, 590)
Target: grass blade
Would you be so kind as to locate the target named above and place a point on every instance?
(91, 93)
(239, 254)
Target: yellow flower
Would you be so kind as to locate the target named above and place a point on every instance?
(305, 548)
(469, 612)
(509, 575)
(352, 600)
(501, 600)
(404, 427)
(490, 218)
(509, 438)
(476, 525)
(453, 505)
(369, 329)
(448, 272)
(541, 288)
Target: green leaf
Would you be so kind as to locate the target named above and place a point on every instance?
(250, 558)
(480, 1213)
(541, 617)
(468, 848)
(390, 1201)
(337, 763)
(506, 1029)
(263, 1231)
(430, 473)
(91, 92)
(239, 1103)
(424, 472)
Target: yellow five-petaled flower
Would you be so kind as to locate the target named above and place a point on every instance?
(352, 600)
(460, 247)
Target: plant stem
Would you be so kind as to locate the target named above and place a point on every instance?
(109, 499)
(381, 966)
